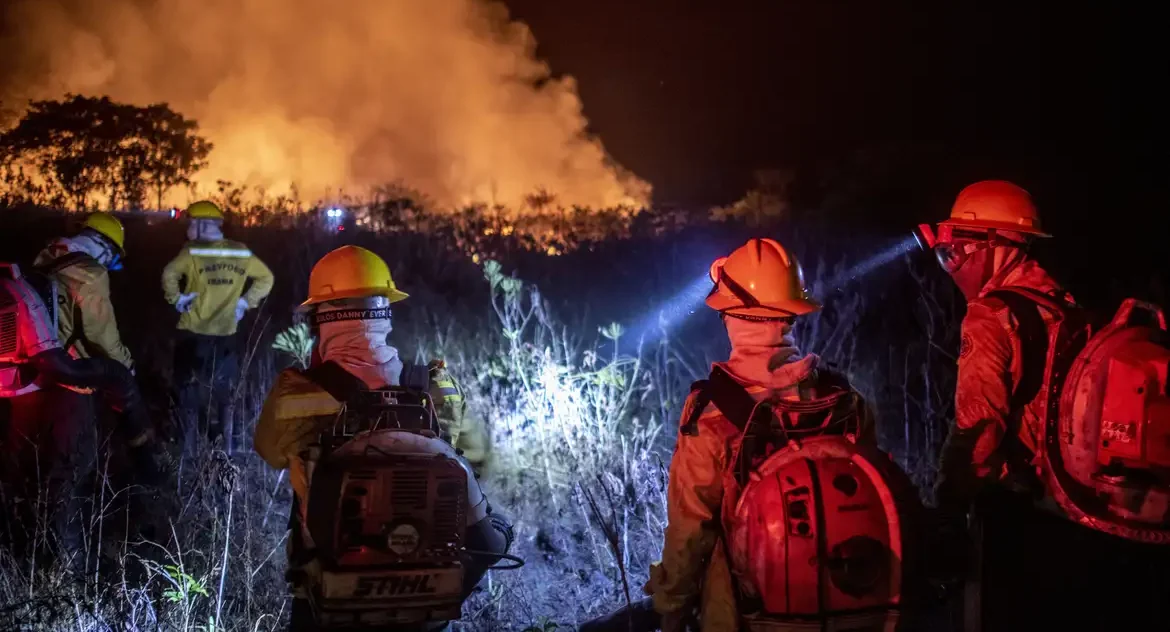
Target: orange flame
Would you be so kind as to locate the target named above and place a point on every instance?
(445, 96)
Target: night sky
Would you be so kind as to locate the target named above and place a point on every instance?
(694, 95)
(1064, 98)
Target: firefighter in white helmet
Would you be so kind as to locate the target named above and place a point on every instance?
(205, 283)
(759, 292)
(350, 297)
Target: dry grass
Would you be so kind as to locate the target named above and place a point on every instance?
(582, 420)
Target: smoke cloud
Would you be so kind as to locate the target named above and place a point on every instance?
(445, 96)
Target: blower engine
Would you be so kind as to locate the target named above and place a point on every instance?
(1107, 437)
(389, 503)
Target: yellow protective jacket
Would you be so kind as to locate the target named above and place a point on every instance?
(990, 366)
(85, 316)
(297, 410)
(693, 571)
(217, 271)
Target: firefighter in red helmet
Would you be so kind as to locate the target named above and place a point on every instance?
(759, 291)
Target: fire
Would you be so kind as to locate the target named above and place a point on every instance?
(446, 96)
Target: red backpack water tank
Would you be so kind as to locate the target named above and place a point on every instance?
(819, 533)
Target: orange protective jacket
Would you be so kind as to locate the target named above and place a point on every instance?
(990, 368)
(694, 570)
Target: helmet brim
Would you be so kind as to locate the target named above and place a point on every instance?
(392, 294)
(988, 224)
(732, 306)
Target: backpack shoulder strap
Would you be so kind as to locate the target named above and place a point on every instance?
(1024, 306)
(415, 377)
(744, 412)
(732, 399)
(336, 381)
(696, 403)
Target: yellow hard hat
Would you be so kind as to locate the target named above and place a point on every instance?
(351, 272)
(996, 204)
(204, 209)
(109, 227)
(762, 280)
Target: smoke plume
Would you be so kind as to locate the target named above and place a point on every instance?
(445, 96)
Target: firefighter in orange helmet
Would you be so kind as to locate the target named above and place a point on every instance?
(988, 465)
(759, 292)
(983, 246)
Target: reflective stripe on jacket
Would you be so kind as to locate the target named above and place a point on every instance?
(217, 272)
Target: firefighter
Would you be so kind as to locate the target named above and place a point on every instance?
(984, 247)
(994, 515)
(350, 294)
(759, 293)
(79, 268)
(205, 283)
(51, 441)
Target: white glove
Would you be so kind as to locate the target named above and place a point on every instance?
(241, 307)
(183, 305)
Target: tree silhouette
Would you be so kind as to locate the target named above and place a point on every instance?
(86, 145)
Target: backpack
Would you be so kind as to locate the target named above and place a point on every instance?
(40, 282)
(388, 505)
(819, 528)
(1104, 452)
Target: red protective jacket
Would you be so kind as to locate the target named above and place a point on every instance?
(990, 368)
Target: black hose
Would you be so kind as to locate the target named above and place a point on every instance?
(519, 563)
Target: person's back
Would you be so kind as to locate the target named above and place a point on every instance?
(79, 268)
(1016, 421)
(350, 430)
(205, 283)
(765, 402)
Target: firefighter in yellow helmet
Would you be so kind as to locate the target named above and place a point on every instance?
(759, 292)
(206, 284)
(76, 277)
(355, 275)
(349, 305)
(79, 268)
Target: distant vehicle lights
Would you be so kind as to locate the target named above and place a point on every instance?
(334, 213)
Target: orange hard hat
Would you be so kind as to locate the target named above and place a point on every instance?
(995, 205)
(351, 272)
(760, 280)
